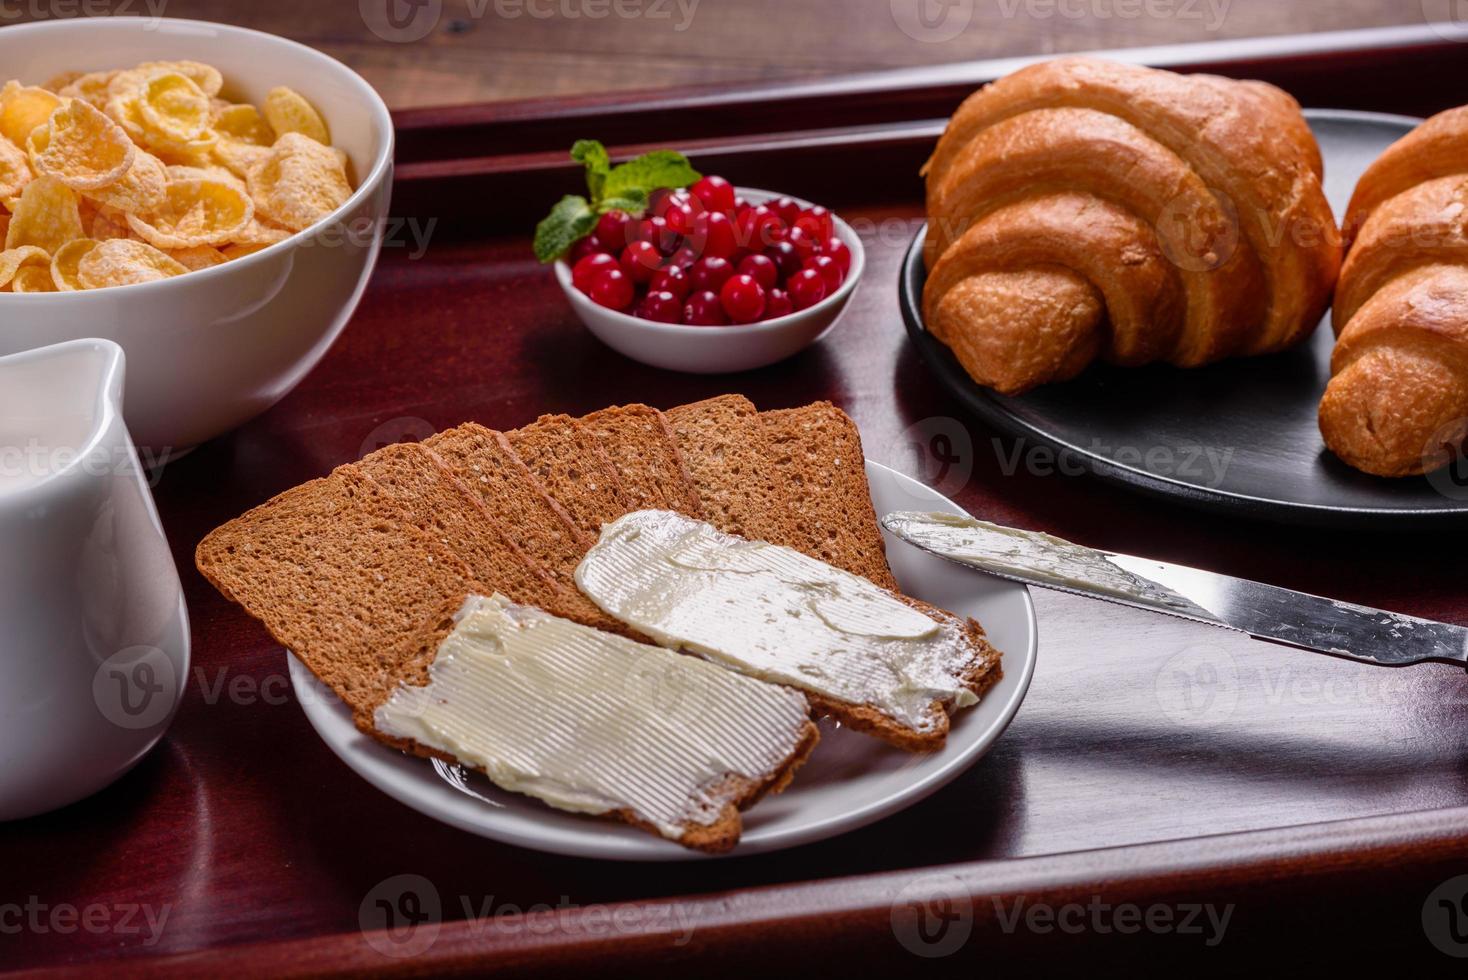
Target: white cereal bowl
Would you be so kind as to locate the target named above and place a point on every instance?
(210, 350)
(718, 350)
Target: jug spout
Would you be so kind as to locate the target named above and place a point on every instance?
(58, 406)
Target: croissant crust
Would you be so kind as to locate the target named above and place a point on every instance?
(1080, 209)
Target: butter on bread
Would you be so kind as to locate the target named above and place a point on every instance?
(340, 573)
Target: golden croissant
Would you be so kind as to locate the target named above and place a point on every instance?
(1082, 209)
(1397, 402)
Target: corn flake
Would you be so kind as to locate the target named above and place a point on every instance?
(64, 263)
(122, 262)
(196, 212)
(47, 216)
(91, 88)
(173, 110)
(142, 189)
(23, 108)
(13, 259)
(243, 124)
(197, 257)
(206, 77)
(300, 183)
(287, 111)
(15, 169)
(32, 279)
(82, 148)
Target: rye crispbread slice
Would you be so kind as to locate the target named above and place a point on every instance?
(440, 505)
(728, 456)
(483, 460)
(817, 449)
(573, 467)
(640, 445)
(340, 578)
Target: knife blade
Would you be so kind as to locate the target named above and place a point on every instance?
(1265, 612)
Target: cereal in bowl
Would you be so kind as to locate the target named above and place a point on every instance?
(111, 178)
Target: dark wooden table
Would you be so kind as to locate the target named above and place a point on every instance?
(1155, 764)
(452, 52)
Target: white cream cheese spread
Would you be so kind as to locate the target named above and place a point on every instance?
(591, 722)
(776, 614)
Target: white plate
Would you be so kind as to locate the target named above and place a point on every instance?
(850, 780)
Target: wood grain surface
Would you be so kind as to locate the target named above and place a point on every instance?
(1138, 728)
(462, 51)
(1145, 737)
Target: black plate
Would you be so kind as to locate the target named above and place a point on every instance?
(1237, 437)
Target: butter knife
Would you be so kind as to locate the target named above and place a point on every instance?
(1265, 612)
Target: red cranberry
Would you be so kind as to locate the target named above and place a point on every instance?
(613, 290)
(681, 216)
(658, 200)
(806, 289)
(673, 280)
(590, 245)
(640, 260)
(703, 309)
(786, 208)
(656, 231)
(762, 268)
(818, 223)
(716, 193)
(786, 258)
(759, 227)
(830, 272)
(838, 251)
(805, 245)
(661, 306)
(584, 273)
(710, 273)
(778, 304)
(743, 299)
(611, 228)
(684, 258)
(714, 235)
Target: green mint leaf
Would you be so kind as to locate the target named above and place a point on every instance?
(593, 156)
(569, 221)
(632, 201)
(660, 168)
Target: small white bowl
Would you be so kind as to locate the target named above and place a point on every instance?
(210, 350)
(719, 350)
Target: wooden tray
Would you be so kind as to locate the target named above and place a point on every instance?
(1155, 762)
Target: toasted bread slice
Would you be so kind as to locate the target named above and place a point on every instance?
(727, 453)
(817, 449)
(640, 445)
(574, 469)
(438, 503)
(340, 578)
(483, 460)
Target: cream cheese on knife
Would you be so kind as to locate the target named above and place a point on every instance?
(776, 614)
(591, 722)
